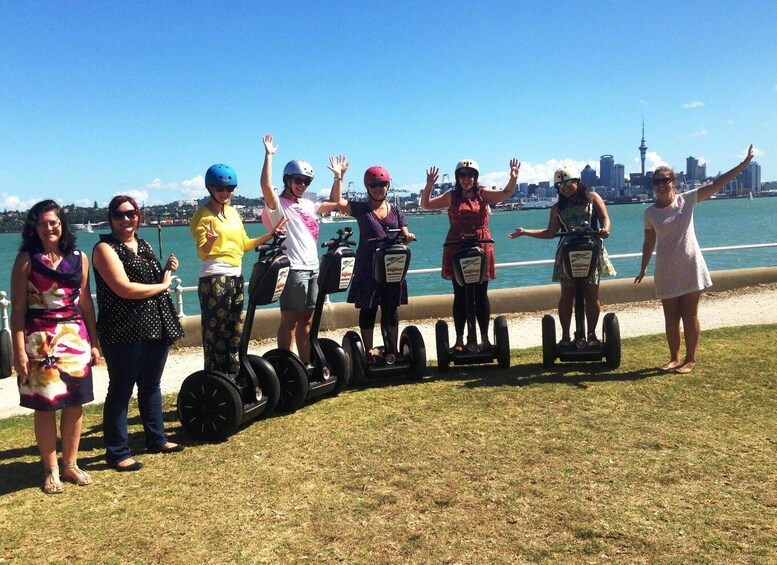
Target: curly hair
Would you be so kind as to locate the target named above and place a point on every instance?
(31, 242)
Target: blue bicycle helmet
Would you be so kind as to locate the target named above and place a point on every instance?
(220, 175)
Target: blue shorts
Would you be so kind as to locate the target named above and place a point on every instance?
(301, 291)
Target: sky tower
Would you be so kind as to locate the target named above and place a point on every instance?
(643, 149)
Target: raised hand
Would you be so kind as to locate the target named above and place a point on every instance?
(750, 155)
(432, 174)
(515, 168)
(338, 164)
(269, 148)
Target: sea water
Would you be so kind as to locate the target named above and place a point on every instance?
(719, 222)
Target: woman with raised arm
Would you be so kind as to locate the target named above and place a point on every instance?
(299, 296)
(680, 273)
(375, 218)
(468, 205)
(54, 338)
(136, 324)
(576, 203)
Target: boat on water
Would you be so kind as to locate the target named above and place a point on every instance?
(88, 228)
(333, 217)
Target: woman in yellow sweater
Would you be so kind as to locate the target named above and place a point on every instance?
(221, 242)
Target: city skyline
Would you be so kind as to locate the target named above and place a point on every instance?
(103, 99)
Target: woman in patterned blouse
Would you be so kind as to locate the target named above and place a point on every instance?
(136, 324)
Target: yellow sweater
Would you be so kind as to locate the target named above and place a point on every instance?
(232, 242)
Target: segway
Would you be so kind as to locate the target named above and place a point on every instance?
(580, 257)
(212, 404)
(469, 269)
(329, 371)
(389, 268)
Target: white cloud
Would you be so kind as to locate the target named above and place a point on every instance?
(700, 133)
(694, 104)
(643, 102)
(730, 122)
(653, 160)
(14, 202)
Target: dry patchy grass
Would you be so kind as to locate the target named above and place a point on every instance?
(576, 464)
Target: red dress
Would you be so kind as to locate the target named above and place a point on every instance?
(468, 215)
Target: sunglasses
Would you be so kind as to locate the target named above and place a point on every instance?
(124, 214)
(467, 174)
(565, 183)
(377, 185)
(224, 188)
(302, 180)
(51, 225)
(662, 180)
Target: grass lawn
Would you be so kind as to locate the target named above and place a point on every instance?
(577, 464)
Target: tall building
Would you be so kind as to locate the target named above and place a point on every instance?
(588, 176)
(643, 148)
(750, 178)
(692, 169)
(607, 171)
(619, 178)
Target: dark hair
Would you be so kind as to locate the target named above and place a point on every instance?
(118, 201)
(476, 188)
(31, 242)
(581, 196)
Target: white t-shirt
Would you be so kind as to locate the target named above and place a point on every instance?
(301, 230)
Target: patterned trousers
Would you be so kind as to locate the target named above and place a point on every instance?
(221, 304)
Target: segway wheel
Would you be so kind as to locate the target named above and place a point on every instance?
(209, 406)
(443, 351)
(502, 339)
(548, 341)
(339, 362)
(293, 378)
(412, 347)
(354, 350)
(612, 340)
(6, 363)
(269, 385)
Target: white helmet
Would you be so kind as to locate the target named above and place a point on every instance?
(567, 172)
(468, 164)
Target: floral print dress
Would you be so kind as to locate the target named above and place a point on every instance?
(56, 339)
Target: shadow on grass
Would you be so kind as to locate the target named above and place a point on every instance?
(19, 475)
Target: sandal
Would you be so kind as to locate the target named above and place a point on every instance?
(82, 478)
(51, 482)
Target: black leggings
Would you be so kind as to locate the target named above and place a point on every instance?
(482, 308)
(367, 318)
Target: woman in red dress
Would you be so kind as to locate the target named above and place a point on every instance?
(468, 213)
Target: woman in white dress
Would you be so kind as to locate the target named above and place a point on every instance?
(680, 273)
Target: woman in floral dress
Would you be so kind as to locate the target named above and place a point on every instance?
(54, 337)
(576, 203)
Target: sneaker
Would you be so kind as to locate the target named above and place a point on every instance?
(593, 340)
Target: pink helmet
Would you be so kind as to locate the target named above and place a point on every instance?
(376, 173)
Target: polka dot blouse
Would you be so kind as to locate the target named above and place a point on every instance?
(122, 320)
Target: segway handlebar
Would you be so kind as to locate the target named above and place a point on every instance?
(581, 229)
(274, 245)
(468, 239)
(394, 236)
(342, 239)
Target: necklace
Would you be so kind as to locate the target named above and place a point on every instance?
(54, 259)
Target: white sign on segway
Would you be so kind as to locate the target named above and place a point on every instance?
(283, 274)
(395, 267)
(580, 262)
(346, 271)
(470, 269)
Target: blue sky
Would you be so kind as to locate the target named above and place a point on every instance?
(103, 98)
